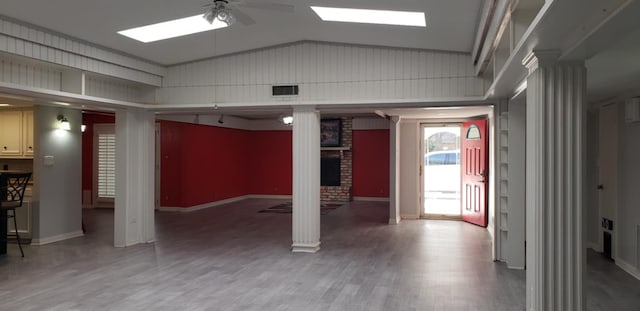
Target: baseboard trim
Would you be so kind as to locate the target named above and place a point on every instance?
(305, 248)
(269, 196)
(201, 206)
(403, 216)
(635, 272)
(371, 199)
(57, 238)
(221, 202)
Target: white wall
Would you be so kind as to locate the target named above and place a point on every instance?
(325, 72)
(409, 161)
(57, 197)
(628, 225)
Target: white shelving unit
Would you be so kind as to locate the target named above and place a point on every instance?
(503, 181)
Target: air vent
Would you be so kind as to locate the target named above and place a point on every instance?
(284, 90)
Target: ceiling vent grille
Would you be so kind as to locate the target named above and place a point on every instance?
(284, 90)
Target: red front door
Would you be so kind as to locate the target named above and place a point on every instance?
(474, 172)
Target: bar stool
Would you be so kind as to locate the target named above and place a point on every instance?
(12, 187)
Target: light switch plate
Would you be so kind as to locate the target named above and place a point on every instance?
(48, 160)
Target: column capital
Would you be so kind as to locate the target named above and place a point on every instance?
(540, 57)
(395, 119)
(305, 108)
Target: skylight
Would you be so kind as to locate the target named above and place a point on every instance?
(402, 18)
(171, 29)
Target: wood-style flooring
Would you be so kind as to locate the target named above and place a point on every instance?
(231, 257)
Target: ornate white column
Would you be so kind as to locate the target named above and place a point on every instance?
(306, 180)
(134, 202)
(554, 135)
(394, 170)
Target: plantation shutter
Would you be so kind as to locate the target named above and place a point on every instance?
(106, 165)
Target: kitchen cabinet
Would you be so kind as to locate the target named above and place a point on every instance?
(16, 134)
(27, 133)
(11, 133)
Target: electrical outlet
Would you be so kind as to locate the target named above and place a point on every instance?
(607, 224)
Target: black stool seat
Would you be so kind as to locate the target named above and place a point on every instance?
(12, 187)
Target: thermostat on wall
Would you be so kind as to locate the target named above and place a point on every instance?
(632, 110)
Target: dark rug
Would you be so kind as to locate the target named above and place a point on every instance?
(287, 207)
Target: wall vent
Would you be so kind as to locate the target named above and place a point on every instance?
(284, 90)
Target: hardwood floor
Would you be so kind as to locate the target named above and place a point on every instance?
(231, 257)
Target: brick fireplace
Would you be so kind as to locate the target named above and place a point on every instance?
(341, 193)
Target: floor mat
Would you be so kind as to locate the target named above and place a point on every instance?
(287, 208)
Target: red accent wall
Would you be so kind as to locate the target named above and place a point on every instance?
(89, 119)
(271, 155)
(371, 163)
(202, 164)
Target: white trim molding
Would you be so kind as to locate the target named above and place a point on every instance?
(629, 268)
(57, 238)
(202, 206)
(371, 199)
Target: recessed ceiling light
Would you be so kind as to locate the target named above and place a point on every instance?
(171, 29)
(385, 17)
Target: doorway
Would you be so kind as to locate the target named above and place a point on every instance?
(441, 171)
(607, 184)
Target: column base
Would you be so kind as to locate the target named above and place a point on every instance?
(394, 221)
(305, 248)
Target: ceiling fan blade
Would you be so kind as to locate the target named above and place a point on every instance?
(242, 17)
(273, 6)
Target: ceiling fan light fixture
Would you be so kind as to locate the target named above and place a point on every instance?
(219, 12)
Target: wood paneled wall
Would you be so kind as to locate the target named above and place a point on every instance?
(13, 70)
(31, 42)
(325, 72)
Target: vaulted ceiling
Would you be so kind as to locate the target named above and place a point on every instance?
(451, 25)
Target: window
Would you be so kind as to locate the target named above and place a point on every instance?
(104, 142)
(107, 165)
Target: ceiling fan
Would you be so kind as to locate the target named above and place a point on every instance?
(228, 11)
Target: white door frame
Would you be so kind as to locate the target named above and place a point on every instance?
(609, 135)
(421, 152)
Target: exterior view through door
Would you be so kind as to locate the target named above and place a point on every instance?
(441, 174)
(475, 172)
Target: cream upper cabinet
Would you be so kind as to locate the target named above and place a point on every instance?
(27, 133)
(11, 133)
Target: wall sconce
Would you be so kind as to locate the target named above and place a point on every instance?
(64, 123)
(288, 120)
(83, 127)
